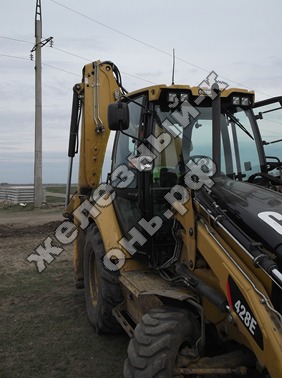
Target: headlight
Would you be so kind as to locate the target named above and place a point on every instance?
(177, 97)
(183, 97)
(171, 97)
(245, 101)
(236, 100)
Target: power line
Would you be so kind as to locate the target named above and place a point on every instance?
(134, 39)
(60, 69)
(55, 48)
(71, 73)
(88, 60)
(128, 36)
(14, 39)
(13, 56)
(149, 45)
(44, 64)
(139, 78)
(72, 54)
(68, 53)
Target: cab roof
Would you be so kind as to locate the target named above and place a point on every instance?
(155, 91)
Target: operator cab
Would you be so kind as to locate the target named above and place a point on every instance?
(169, 138)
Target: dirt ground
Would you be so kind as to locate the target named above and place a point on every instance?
(44, 329)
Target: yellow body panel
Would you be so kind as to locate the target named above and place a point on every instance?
(222, 266)
(99, 89)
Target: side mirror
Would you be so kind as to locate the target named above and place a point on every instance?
(118, 116)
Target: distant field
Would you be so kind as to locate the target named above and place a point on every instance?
(59, 192)
(53, 199)
(59, 188)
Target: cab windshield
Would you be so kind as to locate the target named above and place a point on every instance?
(191, 138)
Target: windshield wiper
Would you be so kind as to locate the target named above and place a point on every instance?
(274, 141)
(238, 123)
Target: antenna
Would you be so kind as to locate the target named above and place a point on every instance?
(173, 66)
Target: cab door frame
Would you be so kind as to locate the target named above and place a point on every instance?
(129, 199)
(277, 163)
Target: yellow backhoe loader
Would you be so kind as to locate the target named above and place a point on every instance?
(179, 218)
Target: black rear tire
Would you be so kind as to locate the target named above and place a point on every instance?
(102, 288)
(157, 340)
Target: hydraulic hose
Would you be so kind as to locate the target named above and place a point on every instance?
(202, 288)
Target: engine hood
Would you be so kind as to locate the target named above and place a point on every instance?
(254, 209)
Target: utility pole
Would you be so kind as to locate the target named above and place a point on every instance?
(38, 197)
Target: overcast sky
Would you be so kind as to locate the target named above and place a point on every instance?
(239, 40)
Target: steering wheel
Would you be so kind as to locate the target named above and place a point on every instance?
(265, 176)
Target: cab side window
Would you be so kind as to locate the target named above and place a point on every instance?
(126, 144)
